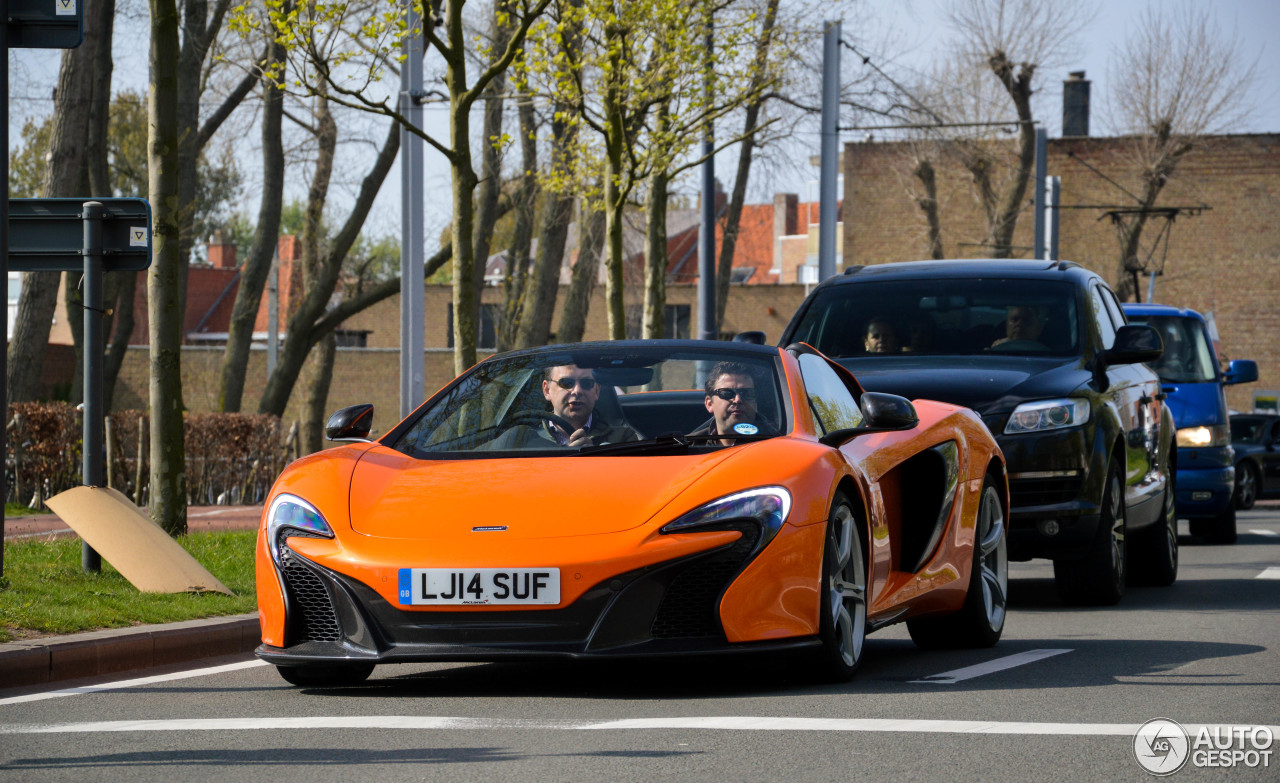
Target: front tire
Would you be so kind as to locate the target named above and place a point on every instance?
(1216, 530)
(326, 675)
(1098, 578)
(842, 625)
(980, 621)
(1246, 486)
(1155, 553)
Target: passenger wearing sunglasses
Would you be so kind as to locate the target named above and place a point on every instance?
(731, 401)
(573, 392)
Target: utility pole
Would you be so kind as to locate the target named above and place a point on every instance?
(708, 329)
(1040, 178)
(827, 196)
(412, 232)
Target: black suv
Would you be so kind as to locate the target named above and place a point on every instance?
(1042, 351)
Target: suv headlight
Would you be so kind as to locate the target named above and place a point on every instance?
(1047, 415)
(291, 511)
(1200, 437)
(767, 506)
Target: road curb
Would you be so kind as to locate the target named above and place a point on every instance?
(39, 661)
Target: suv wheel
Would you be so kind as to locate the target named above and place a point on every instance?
(1153, 559)
(1098, 578)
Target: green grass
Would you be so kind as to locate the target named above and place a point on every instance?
(19, 510)
(46, 592)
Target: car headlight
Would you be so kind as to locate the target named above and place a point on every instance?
(291, 511)
(767, 506)
(1047, 415)
(1200, 437)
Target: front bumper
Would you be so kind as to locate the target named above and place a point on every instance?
(1206, 481)
(1055, 490)
(669, 608)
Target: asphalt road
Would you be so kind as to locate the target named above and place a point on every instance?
(1060, 697)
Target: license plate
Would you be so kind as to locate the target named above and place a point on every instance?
(480, 586)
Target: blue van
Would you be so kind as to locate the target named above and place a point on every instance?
(1190, 376)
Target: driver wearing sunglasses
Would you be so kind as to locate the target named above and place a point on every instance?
(573, 392)
(731, 401)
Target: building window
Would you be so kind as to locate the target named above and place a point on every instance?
(486, 329)
(352, 338)
(676, 327)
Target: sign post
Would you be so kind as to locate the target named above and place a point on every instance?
(115, 235)
(24, 24)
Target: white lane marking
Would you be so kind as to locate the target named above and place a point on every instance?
(1269, 573)
(712, 723)
(999, 664)
(110, 686)
(1264, 533)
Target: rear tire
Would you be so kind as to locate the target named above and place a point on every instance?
(1246, 486)
(1216, 530)
(1154, 555)
(842, 624)
(1098, 578)
(980, 621)
(326, 675)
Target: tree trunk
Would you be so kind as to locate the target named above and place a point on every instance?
(126, 288)
(614, 195)
(517, 274)
(733, 216)
(67, 177)
(316, 402)
(544, 279)
(168, 458)
(655, 259)
(577, 301)
(929, 205)
(491, 150)
(253, 276)
(1010, 206)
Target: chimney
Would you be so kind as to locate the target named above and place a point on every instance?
(1075, 105)
(786, 221)
(222, 255)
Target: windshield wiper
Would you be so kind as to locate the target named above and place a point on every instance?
(667, 441)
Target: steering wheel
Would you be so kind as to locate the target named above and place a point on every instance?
(1020, 345)
(535, 419)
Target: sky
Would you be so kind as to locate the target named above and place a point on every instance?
(915, 29)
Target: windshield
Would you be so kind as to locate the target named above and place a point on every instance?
(1187, 357)
(582, 400)
(943, 316)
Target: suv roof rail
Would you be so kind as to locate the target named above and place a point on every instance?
(852, 270)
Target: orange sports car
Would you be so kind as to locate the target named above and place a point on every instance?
(635, 498)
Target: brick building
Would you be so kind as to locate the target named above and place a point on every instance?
(1222, 257)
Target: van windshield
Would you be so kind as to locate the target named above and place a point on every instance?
(1187, 356)
(944, 316)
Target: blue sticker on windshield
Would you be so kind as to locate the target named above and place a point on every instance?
(746, 429)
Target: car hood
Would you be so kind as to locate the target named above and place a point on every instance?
(396, 496)
(988, 384)
(1194, 404)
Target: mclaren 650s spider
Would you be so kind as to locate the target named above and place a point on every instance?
(635, 498)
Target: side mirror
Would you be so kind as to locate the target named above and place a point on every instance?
(753, 337)
(1241, 371)
(880, 413)
(888, 411)
(1134, 343)
(350, 425)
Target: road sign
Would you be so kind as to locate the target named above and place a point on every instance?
(47, 234)
(45, 24)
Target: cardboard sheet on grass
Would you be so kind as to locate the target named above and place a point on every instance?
(138, 548)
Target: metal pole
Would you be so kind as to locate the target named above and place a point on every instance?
(1151, 286)
(91, 455)
(4, 263)
(827, 196)
(1042, 165)
(708, 329)
(1054, 216)
(412, 234)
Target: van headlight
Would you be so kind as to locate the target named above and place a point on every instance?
(1200, 437)
(1047, 415)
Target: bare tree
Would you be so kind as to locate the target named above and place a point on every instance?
(1177, 79)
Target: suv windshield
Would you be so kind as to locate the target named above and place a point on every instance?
(530, 403)
(944, 316)
(1187, 357)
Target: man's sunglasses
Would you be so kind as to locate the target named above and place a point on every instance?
(587, 384)
(728, 394)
